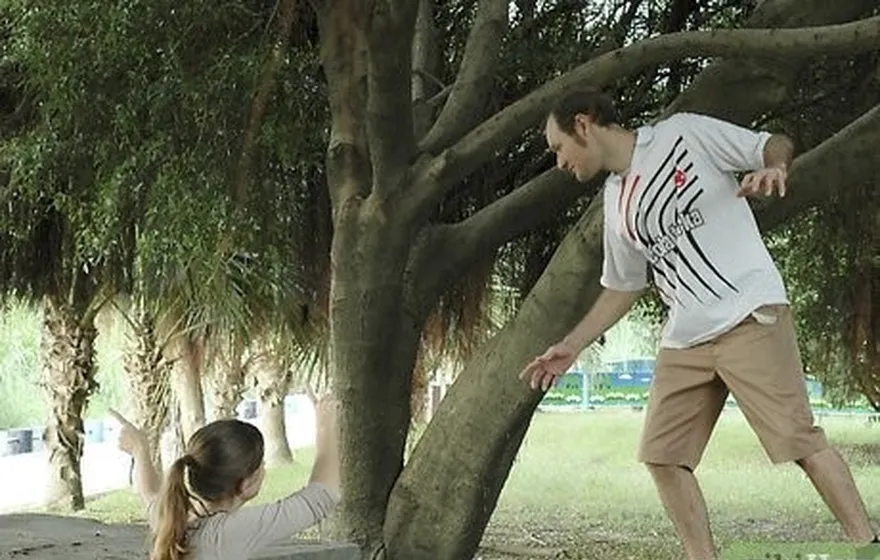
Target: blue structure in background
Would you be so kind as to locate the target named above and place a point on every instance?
(622, 376)
(635, 373)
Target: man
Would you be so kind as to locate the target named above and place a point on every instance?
(673, 205)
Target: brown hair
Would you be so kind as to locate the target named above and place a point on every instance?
(588, 101)
(219, 457)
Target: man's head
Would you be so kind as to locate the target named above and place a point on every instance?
(571, 130)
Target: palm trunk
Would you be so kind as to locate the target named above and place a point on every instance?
(187, 385)
(273, 384)
(228, 380)
(67, 361)
(271, 418)
(149, 378)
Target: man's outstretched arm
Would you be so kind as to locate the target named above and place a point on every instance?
(608, 309)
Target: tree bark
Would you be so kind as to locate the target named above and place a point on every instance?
(273, 384)
(446, 494)
(373, 335)
(149, 380)
(475, 80)
(187, 384)
(227, 381)
(67, 356)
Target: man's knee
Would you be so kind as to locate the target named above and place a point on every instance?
(664, 472)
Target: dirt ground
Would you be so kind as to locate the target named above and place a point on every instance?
(49, 537)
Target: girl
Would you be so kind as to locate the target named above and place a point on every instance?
(197, 513)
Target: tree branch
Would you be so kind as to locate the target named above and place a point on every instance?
(390, 129)
(757, 84)
(344, 59)
(455, 163)
(260, 102)
(424, 66)
(473, 85)
(847, 157)
(533, 204)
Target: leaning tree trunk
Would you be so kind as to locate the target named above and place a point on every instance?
(149, 380)
(67, 356)
(273, 384)
(187, 384)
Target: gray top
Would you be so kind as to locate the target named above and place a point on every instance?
(240, 534)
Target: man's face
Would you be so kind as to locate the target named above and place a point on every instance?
(579, 153)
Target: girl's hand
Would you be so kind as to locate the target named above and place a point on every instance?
(131, 439)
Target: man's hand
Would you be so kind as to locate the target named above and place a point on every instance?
(763, 182)
(544, 369)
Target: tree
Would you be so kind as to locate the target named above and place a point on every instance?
(393, 261)
(119, 180)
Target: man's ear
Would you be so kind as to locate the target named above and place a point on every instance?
(582, 122)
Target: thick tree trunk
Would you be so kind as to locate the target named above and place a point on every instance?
(373, 335)
(67, 361)
(273, 384)
(149, 380)
(374, 349)
(187, 384)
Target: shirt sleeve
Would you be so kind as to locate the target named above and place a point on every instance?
(245, 531)
(728, 146)
(624, 267)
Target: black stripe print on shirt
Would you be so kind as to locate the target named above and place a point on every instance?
(665, 287)
(641, 222)
(663, 219)
(689, 234)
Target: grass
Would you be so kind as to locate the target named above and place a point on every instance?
(576, 490)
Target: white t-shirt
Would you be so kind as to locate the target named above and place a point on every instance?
(676, 213)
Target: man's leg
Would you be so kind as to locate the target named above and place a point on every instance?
(833, 480)
(685, 400)
(762, 366)
(686, 508)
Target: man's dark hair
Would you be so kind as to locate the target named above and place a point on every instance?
(589, 101)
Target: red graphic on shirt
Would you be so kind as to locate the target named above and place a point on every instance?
(679, 178)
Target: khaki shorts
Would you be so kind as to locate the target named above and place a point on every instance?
(760, 365)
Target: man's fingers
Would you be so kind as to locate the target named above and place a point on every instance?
(547, 381)
(529, 369)
(747, 186)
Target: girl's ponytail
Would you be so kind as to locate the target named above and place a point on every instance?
(169, 541)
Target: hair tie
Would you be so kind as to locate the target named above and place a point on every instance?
(189, 461)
